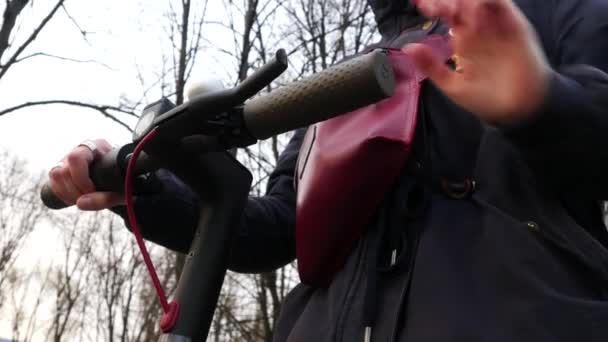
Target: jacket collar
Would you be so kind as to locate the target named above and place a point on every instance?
(394, 16)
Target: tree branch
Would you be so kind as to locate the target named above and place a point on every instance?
(11, 12)
(30, 39)
(103, 109)
(180, 82)
(44, 54)
(82, 32)
(317, 36)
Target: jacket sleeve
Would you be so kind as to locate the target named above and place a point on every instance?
(566, 143)
(168, 213)
(267, 236)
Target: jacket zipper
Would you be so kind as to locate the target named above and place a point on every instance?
(351, 290)
(400, 313)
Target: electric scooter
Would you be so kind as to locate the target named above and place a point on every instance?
(191, 141)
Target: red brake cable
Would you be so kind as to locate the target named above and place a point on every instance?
(171, 310)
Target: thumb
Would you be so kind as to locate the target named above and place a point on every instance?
(99, 200)
(431, 65)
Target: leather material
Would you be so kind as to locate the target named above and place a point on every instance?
(347, 164)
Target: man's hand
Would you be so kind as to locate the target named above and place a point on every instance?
(502, 73)
(71, 183)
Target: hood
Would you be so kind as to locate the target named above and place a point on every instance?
(394, 15)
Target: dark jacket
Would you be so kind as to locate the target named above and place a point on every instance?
(498, 230)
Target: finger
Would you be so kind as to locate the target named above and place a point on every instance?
(487, 17)
(103, 146)
(427, 7)
(71, 190)
(78, 162)
(99, 200)
(57, 186)
(445, 9)
(457, 19)
(431, 65)
(500, 17)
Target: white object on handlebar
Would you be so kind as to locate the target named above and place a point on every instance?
(203, 87)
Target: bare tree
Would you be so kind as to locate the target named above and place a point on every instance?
(71, 277)
(28, 288)
(185, 31)
(19, 213)
(113, 267)
(12, 10)
(320, 33)
(326, 31)
(14, 44)
(100, 289)
(145, 324)
(21, 288)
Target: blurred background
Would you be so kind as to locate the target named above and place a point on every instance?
(75, 70)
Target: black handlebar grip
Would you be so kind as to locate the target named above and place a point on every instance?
(337, 90)
(49, 198)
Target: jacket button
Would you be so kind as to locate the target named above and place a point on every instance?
(533, 226)
(458, 190)
(415, 167)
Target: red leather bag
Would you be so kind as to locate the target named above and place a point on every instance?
(346, 166)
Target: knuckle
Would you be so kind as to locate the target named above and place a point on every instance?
(87, 186)
(74, 157)
(54, 174)
(103, 146)
(54, 186)
(57, 174)
(64, 173)
(90, 185)
(59, 192)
